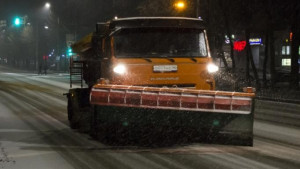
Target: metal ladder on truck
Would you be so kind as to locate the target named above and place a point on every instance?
(76, 72)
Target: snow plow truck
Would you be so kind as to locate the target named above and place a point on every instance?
(154, 73)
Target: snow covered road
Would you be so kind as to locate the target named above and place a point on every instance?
(34, 133)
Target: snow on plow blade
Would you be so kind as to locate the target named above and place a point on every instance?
(225, 113)
(172, 98)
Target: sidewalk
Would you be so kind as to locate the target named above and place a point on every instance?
(281, 92)
(9, 69)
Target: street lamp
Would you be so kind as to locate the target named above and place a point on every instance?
(56, 27)
(180, 5)
(47, 5)
(37, 45)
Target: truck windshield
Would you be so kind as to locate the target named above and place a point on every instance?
(159, 42)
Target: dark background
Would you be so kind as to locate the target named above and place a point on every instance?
(272, 20)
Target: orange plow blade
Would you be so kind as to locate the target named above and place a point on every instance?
(172, 98)
(209, 113)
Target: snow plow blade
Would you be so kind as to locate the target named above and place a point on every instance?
(212, 114)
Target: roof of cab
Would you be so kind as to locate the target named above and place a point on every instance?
(139, 22)
(167, 22)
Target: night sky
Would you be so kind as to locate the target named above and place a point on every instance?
(9, 8)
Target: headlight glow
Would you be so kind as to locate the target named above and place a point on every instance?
(212, 68)
(120, 69)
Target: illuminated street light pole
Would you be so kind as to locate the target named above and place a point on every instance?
(37, 46)
(37, 32)
(47, 5)
(180, 5)
(57, 21)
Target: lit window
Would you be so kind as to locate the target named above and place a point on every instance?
(286, 50)
(286, 62)
(283, 51)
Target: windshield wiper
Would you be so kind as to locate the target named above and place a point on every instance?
(147, 59)
(168, 58)
(171, 59)
(193, 59)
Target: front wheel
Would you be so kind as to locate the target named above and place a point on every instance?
(73, 123)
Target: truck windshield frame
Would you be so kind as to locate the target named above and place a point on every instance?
(160, 43)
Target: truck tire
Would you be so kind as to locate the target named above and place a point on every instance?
(93, 124)
(248, 142)
(73, 124)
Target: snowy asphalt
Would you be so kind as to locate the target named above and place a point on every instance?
(34, 133)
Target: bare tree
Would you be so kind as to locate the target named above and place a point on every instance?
(294, 80)
(228, 31)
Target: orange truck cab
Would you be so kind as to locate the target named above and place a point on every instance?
(155, 52)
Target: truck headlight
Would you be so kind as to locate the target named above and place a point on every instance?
(120, 69)
(212, 68)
